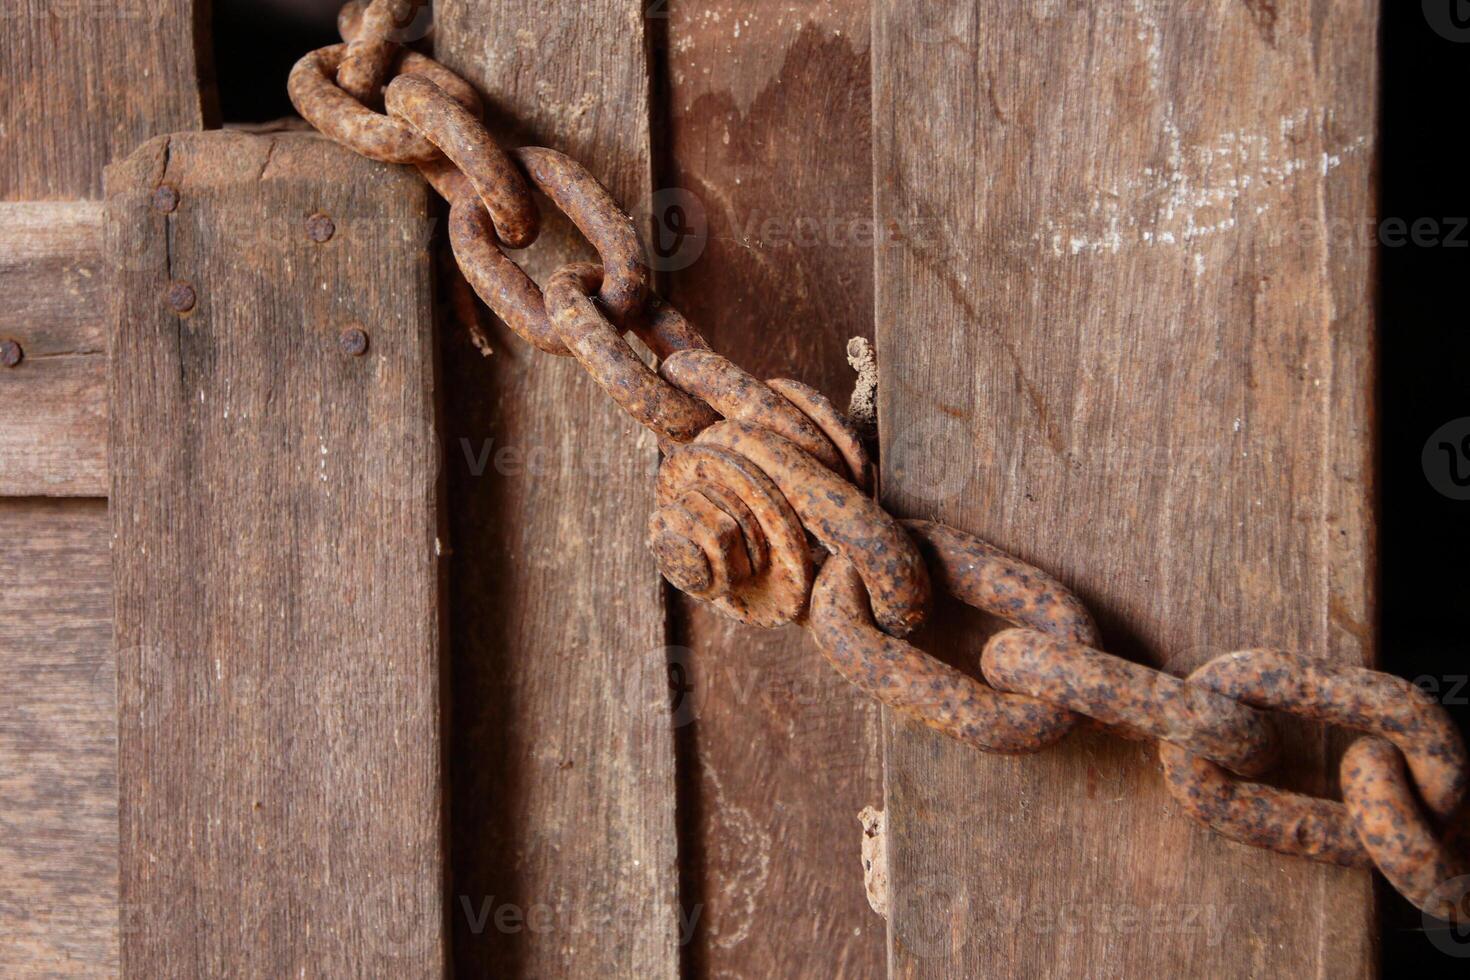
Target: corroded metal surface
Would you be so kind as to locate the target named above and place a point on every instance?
(370, 50)
(838, 428)
(579, 195)
(1119, 692)
(180, 297)
(981, 575)
(1365, 700)
(752, 535)
(1260, 815)
(775, 541)
(612, 363)
(845, 521)
(723, 560)
(510, 292)
(741, 501)
(353, 341)
(316, 96)
(349, 19)
(735, 394)
(666, 331)
(916, 684)
(166, 199)
(1387, 819)
(320, 227)
(1294, 823)
(496, 279)
(448, 181)
(461, 137)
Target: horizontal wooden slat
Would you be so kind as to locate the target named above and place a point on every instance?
(58, 746)
(53, 290)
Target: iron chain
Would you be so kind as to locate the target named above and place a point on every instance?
(755, 471)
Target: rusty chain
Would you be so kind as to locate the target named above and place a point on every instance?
(756, 471)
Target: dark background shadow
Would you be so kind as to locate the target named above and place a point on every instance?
(1425, 365)
(255, 44)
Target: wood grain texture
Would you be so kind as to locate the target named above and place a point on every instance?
(769, 134)
(86, 82)
(274, 554)
(82, 83)
(561, 756)
(53, 440)
(58, 756)
(1124, 329)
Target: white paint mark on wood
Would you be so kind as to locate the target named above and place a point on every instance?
(746, 846)
(1205, 189)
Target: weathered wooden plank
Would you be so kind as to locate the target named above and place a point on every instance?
(769, 139)
(561, 754)
(276, 578)
(87, 81)
(53, 438)
(58, 757)
(1123, 334)
(81, 83)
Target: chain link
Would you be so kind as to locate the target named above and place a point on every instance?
(1122, 693)
(369, 32)
(755, 472)
(735, 394)
(674, 416)
(336, 114)
(781, 569)
(457, 133)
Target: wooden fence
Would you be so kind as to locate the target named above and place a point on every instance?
(390, 655)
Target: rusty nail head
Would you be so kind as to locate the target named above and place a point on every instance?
(320, 228)
(10, 353)
(354, 341)
(180, 297)
(165, 198)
